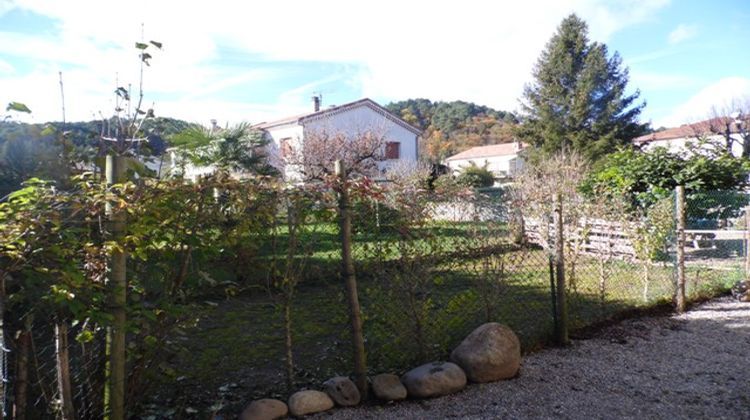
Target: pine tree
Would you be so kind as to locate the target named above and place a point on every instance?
(577, 100)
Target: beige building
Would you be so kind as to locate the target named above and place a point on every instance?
(503, 160)
(715, 130)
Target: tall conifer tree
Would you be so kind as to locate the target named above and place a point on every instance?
(578, 101)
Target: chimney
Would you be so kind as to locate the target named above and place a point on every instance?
(316, 102)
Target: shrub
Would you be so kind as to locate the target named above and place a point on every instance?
(477, 177)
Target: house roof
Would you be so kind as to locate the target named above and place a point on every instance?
(302, 118)
(716, 125)
(504, 149)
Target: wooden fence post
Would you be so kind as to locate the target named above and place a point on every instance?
(347, 271)
(561, 329)
(680, 268)
(114, 393)
(62, 353)
(22, 369)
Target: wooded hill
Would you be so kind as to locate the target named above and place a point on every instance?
(451, 127)
(37, 150)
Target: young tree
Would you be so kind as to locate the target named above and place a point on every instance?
(122, 136)
(578, 98)
(732, 123)
(313, 158)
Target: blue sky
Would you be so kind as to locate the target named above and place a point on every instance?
(255, 61)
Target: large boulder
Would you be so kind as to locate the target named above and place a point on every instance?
(342, 390)
(434, 379)
(388, 387)
(265, 409)
(490, 353)
(302, 403)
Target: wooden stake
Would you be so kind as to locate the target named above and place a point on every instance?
(117, 283)
(347, 272)
(680, 221)
(561, 298)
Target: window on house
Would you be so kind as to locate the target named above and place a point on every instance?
(286, 147)
(392, 150)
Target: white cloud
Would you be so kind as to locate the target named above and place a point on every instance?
(682, 33)
(6, 67)
(719, 95)
(443, 50)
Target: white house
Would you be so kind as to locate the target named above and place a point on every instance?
(715, 130)
(351, 120)
(503, 160)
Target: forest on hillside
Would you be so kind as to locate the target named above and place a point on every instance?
(451, 127)
(45, 150)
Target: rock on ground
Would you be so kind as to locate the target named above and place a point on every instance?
(434, 379)
(490, 353)
(388, 387)
(309, 402)
(265, 409)
(342, 391)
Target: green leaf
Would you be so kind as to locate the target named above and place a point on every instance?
(123, 93)
(156, 44)
(141, 46)
(18, 107)
(49, 130)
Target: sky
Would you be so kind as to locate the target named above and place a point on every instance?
(257, 61)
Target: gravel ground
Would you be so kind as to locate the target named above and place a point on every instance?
(692, 366)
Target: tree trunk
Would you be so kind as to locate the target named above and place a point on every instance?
(347, 269)
(63, 371)
(117, 283)
(288, 345)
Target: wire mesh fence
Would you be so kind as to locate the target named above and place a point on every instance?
(716, 241)
(35, 387)
(430, 268)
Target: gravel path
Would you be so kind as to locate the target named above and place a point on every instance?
(691, 366)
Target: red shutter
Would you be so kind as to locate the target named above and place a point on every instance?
(392, 150)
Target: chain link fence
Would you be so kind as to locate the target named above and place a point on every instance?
(429, 271)
(716, 241)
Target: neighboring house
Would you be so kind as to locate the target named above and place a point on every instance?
(715, 130)
(503, 160)
(351, 120)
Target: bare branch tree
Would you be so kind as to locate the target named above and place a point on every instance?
(313, 157)
(732, 123)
